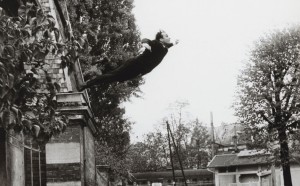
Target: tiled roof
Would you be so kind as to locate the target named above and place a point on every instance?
(168, 174)
(228, 160)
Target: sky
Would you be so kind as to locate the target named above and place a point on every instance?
(215, 37)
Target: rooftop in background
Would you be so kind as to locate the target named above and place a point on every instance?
(168, 174)
(225, 132)
(243, 158)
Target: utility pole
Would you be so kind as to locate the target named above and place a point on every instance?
(213, 138)
(171, 159)
(176, 149)
(212, 135)
(235, 139)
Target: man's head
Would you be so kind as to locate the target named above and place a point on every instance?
(163, 37)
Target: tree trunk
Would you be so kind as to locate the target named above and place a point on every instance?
(284, 157)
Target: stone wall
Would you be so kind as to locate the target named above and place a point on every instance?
(15, 159)
(89, 156)
(3, 173)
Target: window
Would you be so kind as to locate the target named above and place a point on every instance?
(231, 169)
(222, 169)
(35, 164)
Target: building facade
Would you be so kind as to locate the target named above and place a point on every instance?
(249, 168)
(68, 159)
(194, 177)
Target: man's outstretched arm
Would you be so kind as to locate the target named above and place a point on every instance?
(172, 44)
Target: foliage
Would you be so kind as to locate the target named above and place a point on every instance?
(157, 150)
(199, 153)
(153, 153)
(269, 86)
(109, 27)
(138, 157)
(268, 96)
(25, 40)
(191, 139)
(118, 166)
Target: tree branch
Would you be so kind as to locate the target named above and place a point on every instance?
(265, 118)
(295, 124)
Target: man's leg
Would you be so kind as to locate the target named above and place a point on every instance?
(91, 73)
(99, 79)
(125, 72)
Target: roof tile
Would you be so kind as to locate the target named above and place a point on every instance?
(228, 160)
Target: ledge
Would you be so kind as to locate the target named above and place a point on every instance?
(77, 108)
(74, 97)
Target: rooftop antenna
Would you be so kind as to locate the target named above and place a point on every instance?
(235, 139)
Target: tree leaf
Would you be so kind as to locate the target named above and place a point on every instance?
(11, 80)
(8, 51)
(6, 118)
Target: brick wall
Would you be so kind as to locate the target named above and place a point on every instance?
(70, 157)
(72, 134)
(63, 157)
(63, 172)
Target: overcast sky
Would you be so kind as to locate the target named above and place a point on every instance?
(215, 38)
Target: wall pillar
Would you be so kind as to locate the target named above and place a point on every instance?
(12, 171)
(70, 157)
(3, 173)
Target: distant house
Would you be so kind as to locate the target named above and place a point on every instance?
(249, 168)
(225, 133)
